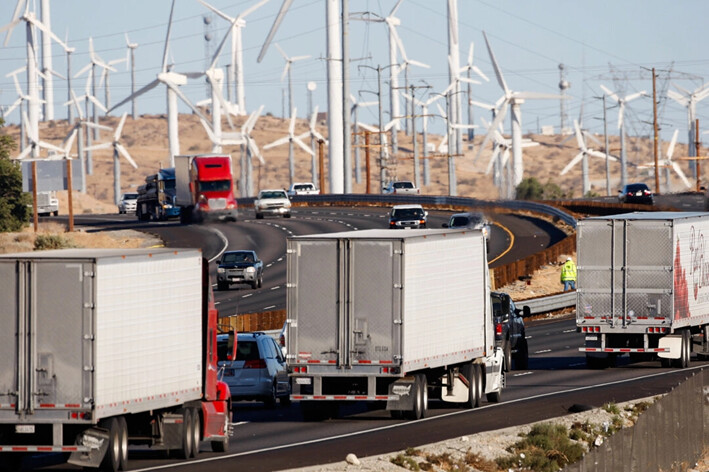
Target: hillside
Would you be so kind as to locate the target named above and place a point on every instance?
(146, 140)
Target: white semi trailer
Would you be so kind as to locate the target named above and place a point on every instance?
(643, 286)
(390, 316)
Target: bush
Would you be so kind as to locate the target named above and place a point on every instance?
(546, 448)
(531, 189)
(14, 209)
(52, 241)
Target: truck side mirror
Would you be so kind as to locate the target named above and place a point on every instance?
(526, 311)
(231, 346)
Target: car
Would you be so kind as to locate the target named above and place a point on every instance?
(474, 220)
(259, 370)
(407, 216)
(510, 334)
(239, 267)
(127, 203)
(401, 187)
(303, 188)
(272, 202)
(636, 193)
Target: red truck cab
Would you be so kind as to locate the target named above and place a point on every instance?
(205, 187)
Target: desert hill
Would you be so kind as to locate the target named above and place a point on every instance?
(146, 140)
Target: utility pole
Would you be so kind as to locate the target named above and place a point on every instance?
(346, 125)
(696, 144)
(417, 166)
(382, 157)
(655, 131)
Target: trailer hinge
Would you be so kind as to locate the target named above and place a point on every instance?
(397, 357)
(398, 322)
(398, 251)
(290, 285)
(88, 368)
(89, 337)
(290, 251)
(398, 285)
(88, 305)
(88, 273)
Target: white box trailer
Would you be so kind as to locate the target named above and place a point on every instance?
(643, 286)
(92, 335)
(382, 315)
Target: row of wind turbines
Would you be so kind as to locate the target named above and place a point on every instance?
(172, 81)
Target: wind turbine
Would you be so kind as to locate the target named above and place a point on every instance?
(424, 112)
(237, 55)
(172, 81)
(335, 96)
(104, 79)
(354, 110)
(88, 98)
(315, 135)
(288, 71)
(34, 145)
(514, 100)
(469, 68)
(451, 125)
(582, 156)
(32, 88)
(130, 56)
(252, 150)
(94, 61)
(690, 99)
(291, 139)
(668, 164)
(621, 126)
(118, 150)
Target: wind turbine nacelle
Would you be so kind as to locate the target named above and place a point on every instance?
(174, 77)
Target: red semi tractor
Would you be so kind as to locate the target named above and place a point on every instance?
(205, 188)
(105, 348)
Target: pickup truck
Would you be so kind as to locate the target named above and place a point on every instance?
(303, 188)
(272, 202)
(239, 267)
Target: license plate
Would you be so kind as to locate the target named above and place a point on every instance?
(592, 338)
(303, 380)
(24, 428)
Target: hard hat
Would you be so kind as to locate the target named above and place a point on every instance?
(568, 259)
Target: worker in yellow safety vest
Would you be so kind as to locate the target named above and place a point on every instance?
(568, 274)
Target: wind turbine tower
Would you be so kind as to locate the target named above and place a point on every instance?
(563, 86)
(208, 35)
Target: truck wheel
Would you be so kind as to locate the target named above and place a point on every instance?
(123, 434)
(522, 356)
(221, 286)
(318, 411)
(420, 398)
(254, 284)
(496, 397)
(186, 447)
(472, 374)
(260, 282)
(196, 432)
(685, 350)
(259, 216)
(287, 215)
(112, 460)
(55, 213)
(270, 400)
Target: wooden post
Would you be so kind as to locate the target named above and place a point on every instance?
(69, 199)
(35, 218)
(321, 155)
(367, 161)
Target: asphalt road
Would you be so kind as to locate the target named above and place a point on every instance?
(277, 439)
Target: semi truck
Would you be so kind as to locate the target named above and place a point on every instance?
(643, 287)
(390, 318)
(156, 198)
(47, 203)
(105, 348)
(205, 188)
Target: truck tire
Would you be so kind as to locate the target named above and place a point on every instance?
(685, 351)
(522, 357)
(196, 432)
(112, 460)
(318, 411)
(472, 374)
(123, 434)
(420, 398)
(507, 351)
(270, 400)
(260, 281)
(259, 216)
(186, 446)
(221, 286)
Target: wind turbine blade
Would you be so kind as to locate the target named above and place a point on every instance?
(540, 96)
(487, 106)
(683, 178)
(215, 57)
(208, 129)
(573, 162)
(671, 147)
(184, 98)
(167, 39)
(124, 152)
(603, 155)
(96, 102)
(609, 93)
(579, 137)
(470, 54)
(82, 70)
(313, 117)
(588, 135)
(320, 137)
(279, 18)
(251, 9)
(98, 147)
(505, 157)
(396, 7)
(496, 67)
(130, 97)
(285, 70)
(283, 53)
(477, 70)
(291, 126)
(93, 125)
(253, 148)
(43, 27)
(303, 146)
(299, 58)
(493, 156)
(634, 96)
(367, 127)
(46, 145)
(25, 152)
(277, 142)
(419, 64)
(218, 12)
(119, 128)
(470, 81)
(677, 97)
(621, 108)
(682, 89)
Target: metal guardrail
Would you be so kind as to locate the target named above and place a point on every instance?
(550, 303)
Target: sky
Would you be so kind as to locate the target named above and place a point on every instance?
(614, 43)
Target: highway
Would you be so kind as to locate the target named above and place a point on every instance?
(277, 439)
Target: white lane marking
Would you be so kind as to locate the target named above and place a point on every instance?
(224, 240)
(216, 303)
(276, 287)
(569, 331)
(268, 307)
(542, 351)
(247, 295)
(578, 364)
(522, 374)
(279, 259)
(403, 424)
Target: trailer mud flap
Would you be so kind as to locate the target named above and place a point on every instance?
(673, 343)
(96, 440)
(404, 390)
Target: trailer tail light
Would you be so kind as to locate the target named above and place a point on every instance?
(657, 329)
(80, 415)
(591, 329)
(300, 370)
(255, 364)
(498, 329)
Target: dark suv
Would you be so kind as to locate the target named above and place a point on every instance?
(509, 330)
(239, 267)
